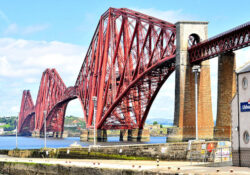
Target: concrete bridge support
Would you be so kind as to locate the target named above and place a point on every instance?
(135, 135)
(87, 135)
(226, 91)
(63, 134)
(184, 117)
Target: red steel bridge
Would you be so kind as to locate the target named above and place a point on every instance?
(130, 57)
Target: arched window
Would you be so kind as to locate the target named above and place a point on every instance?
(193, 39)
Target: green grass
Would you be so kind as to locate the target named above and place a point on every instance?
(26, 163)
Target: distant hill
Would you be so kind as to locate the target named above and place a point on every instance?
(73, 120)
(161, 121)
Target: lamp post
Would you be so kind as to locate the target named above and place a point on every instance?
(94, 98)
(45, 129)
(196, 70)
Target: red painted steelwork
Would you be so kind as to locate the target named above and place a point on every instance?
(130, 55)
(26, 115)
(53, 97)
(51, 91)
(129, 58)
(231, 40)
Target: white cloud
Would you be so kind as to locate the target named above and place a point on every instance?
(11, 29)
(16, 29)
(15, 108)
(26, 59)
(22, 63)
(35, 28)
(168, 15)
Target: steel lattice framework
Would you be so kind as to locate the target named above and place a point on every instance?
(50, 93)
(129, 58)
(231, 40)
(26, 121)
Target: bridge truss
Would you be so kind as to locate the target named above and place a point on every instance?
(130, 57)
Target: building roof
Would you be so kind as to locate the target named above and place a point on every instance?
(244, 68)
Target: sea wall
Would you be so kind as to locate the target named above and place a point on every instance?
(12, 168)
(167, 151)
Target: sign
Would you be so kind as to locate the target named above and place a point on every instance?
(245, 107)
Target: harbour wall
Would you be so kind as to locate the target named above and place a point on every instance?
(166, 151)
(13, 168)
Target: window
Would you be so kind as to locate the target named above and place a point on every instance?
(246, 137)
(193, 39)
(244, 83)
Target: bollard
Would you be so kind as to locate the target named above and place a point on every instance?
(178, 168)
(231, 171)
(133, 166)
(217, 171)
(157, 162)
(93, 163)
(139, 166)
(169, 168)
(98, 163)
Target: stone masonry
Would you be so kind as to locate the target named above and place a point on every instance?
(226, 91)
(184, 117)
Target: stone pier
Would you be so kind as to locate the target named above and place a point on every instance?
(88, 135)
(135, 135)
(184, 117)
(63, 134)
(226, 91)
(84, 135)
(123, 135)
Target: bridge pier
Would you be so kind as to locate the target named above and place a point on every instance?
(135, 135)
(54, 134)
(184, 117)
(123, 135)
(63, 134)
(87, 135)
(226, 91)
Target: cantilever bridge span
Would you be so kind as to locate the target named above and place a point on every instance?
(130, 57)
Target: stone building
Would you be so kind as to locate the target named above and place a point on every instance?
(241, 119)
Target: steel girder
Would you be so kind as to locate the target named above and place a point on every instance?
(28, 124)
(25, 122)
(231, 40)
(55, 116)
(52, 98)
(129, 58)
(51, 92)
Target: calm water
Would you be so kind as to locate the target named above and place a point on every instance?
(9, 142)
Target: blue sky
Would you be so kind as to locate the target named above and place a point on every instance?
(35, 35)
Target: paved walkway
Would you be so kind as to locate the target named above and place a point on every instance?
(178, 167)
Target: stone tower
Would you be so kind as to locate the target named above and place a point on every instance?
(184, 117)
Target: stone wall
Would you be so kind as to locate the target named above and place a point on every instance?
(167, 151)
(49, 169)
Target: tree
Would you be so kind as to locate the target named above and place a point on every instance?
(155, 123)
(161, 126)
